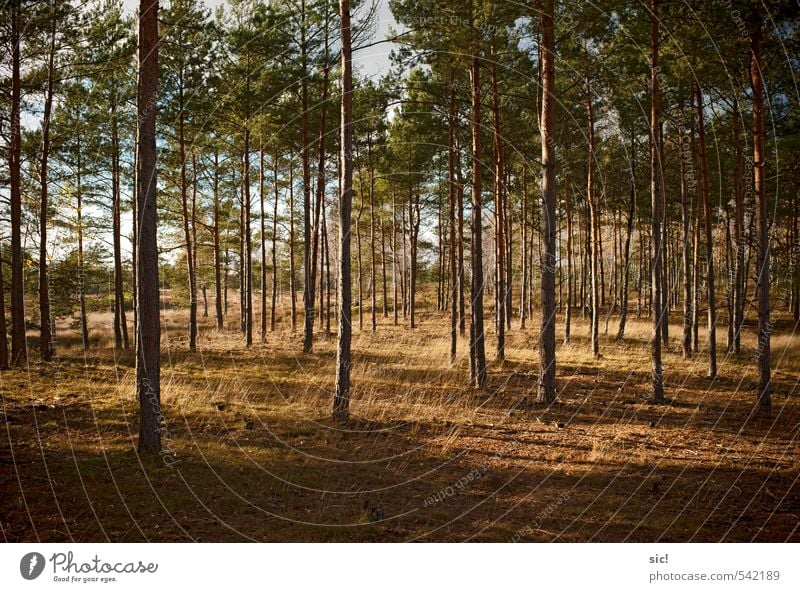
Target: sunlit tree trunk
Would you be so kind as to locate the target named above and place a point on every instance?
(19, 346)
(547, 339)
(341, 399)
(218, 298)
(121, 338)
(261, 197)
(704, 187)
(46, 341)
(655, 200)
(3, 328)
(623, 311)
(764, 403)
(148, 330)
(594, 223)
(477, 343)
(499, 222)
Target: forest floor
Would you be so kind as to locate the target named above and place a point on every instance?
(254, 455)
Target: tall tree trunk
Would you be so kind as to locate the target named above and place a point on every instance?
(358, 251)
(523, 259)
(308, 260)
(452, 193)
(403, 270)
(664, 242)
(218, 298)
(413, 237)
(46, 341)
(326, 250)
(764, 401)
(308, 330)
(547, 340)
(248, 242)
(623, 311)
(383, 271)
(121, 339)
(508, 239)
(84, 323)
(274, 244)
(594, 330)
(696, 279)
(19, 346)
(738, 229)
(292, 274)
(148, 330)
(341, 398)
(729, 273)
(499, 222)
(373, 275)
(655, 200)
(462, 316)
(686, 215)
(261, 196)
(477, 345)
(187, 232)
(3, 328)
(395, 282)
(704, 185)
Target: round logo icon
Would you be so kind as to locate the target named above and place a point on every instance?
(31, 565)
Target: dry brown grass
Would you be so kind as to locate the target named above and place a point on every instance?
(424, 457)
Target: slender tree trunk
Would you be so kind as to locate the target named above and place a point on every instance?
(187, 232)
(594, 330)
(373, 273)
(462, 316)
(326, 249)
(413, 237)
(341, 399)
(148, 330)
(274, 244)
(686, 215)
(738, 229)
(308, 330)
(547, 340)
(655, 200)
(477, 346)
(217, 266)
(84, 323)
(665, 305)
(764, 401)
(308, 254)
(292, 274)
(261, 196)
(46, 341)
(394, 258)
(704, 185)
(508, 238)
(383, 271)
(3, 328)
(193, 253)
(242, 262)
(498, 219)
(358, 251)
(403, 270)
(523, 259)
(452, 192)
(121, 339)
(19, 346)
(623, 311)
(696, 280)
